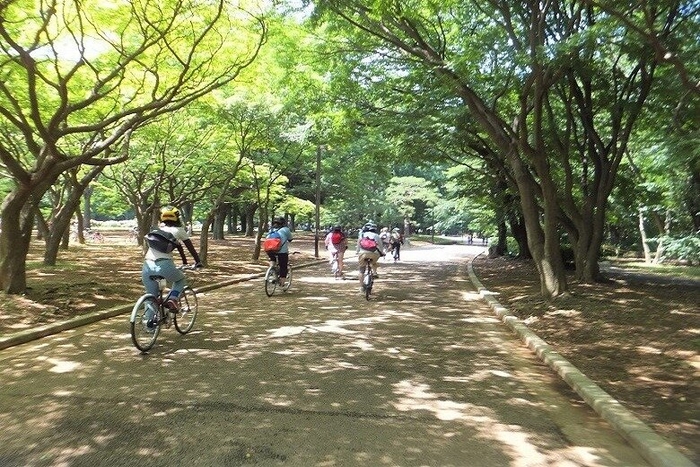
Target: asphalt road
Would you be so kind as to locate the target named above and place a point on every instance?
(422, 375)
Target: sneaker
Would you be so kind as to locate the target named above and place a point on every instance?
(172, 305)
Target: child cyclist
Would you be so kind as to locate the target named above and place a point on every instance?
(159, 258)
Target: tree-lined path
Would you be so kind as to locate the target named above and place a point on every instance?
(422, 375)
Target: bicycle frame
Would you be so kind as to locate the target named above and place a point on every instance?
(149, 314)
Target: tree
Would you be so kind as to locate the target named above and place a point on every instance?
(75, 80)
(537, 79)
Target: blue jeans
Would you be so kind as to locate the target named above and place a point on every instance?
(167, 269)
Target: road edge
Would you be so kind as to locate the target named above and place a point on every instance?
(654, 448)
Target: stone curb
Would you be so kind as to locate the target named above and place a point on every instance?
(38, 332)
(655, 449)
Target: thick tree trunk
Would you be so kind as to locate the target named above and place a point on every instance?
(519, 232)
(16, 225)
(502, 242)
(219, 217)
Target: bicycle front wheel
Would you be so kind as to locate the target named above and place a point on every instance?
(187, 313)
(145, 323)
(271, 281)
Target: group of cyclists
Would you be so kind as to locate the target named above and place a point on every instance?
(371, 245)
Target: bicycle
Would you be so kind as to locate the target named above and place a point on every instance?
(94, 235)
(334, 265)
(367, 278)
(150, 314)
(272, 278)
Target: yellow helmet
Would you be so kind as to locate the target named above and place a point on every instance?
(169, 213)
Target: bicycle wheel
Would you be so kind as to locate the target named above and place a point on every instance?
(369, 282)
(145, 323)
(271, 280)
(289, 280)
(184, 318)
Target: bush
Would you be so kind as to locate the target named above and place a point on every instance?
(684, 249)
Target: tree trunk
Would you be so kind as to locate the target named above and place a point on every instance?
(250, 220)
(204, 238)
(76, 191)
(16, 225)
(643, 236)
(502, 243)
(87, 207)
(517, 229)
(658, 257)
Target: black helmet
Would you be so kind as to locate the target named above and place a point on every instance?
(281, 221)
(369, 227)
(337, 228)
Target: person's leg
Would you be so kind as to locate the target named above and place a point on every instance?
(271, 256)
(149, 269)
(374, 263)
(151, 286)
(175, 276)
(341, 257)
(283, 260)
(361, 263)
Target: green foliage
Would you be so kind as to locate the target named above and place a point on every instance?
(686, 249)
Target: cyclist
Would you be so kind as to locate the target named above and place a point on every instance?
(369, 246)
(159, 258)
(279, 225)
(336, 243)
(396, 242)
(385, 235)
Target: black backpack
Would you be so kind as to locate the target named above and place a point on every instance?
(161, 241)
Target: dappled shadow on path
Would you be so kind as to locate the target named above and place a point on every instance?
(422, 374)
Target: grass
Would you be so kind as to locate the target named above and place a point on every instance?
(688, 272)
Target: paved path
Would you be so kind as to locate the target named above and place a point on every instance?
(424, 374)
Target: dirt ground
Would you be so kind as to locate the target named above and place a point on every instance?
(637, 337)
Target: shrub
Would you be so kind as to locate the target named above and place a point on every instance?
(685, 249)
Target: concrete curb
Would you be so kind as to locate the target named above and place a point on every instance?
(22, 337)
(655, 449)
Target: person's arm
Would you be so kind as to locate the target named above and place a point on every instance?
(190, 247)
(180, 250)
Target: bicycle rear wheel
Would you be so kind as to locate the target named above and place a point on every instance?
(367, 279)
(369, 282)
(185, 316)
(271, 281)
(145, 323)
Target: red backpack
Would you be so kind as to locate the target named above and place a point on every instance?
(337, 237)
